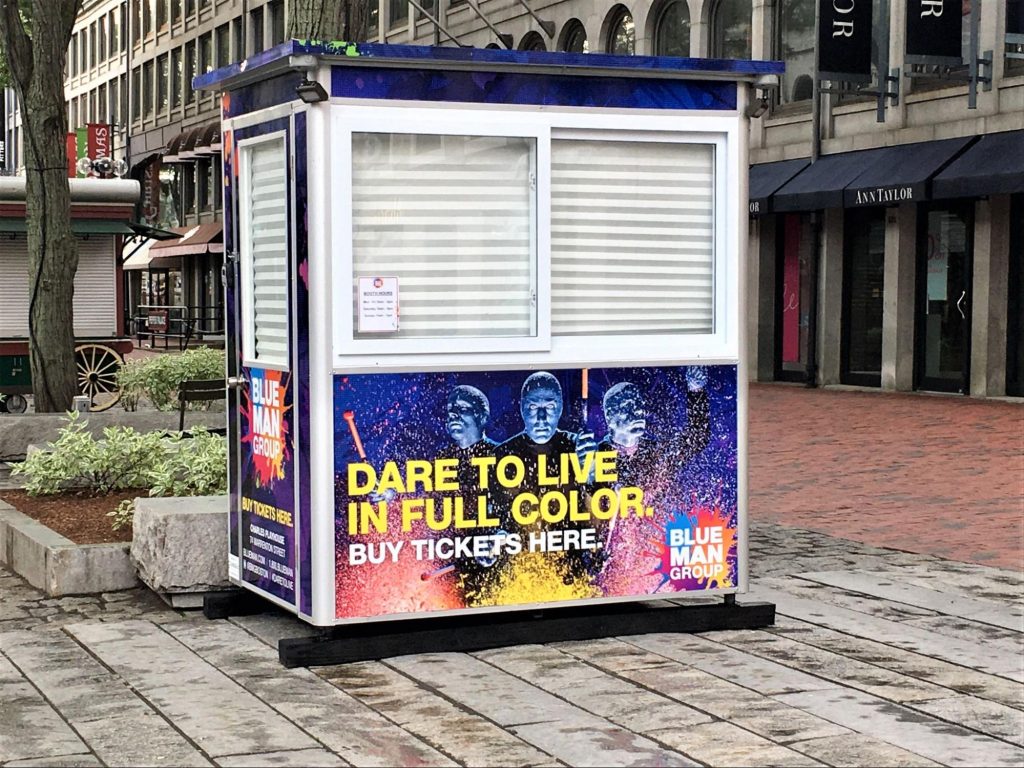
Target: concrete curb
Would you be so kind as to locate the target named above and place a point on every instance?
(58, 566)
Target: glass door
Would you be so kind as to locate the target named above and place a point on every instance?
(944, 293)
(794, 283)
(863, 278)
(1015, 314)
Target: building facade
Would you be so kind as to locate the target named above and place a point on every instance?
(894, 262)
(890, 262)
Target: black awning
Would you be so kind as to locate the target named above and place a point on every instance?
(766, 178)
(821, 184)
(902, 173)
(992, 166)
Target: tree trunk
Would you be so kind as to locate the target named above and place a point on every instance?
(329, 20)
(37, 69)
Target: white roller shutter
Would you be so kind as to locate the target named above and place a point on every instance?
(95, 288)
(95, 303)
(452, 217)
(265, 252)
(14, 287)
(632, 246)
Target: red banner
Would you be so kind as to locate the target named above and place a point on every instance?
(72, 147)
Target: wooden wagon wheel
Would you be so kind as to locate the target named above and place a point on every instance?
(97, 366)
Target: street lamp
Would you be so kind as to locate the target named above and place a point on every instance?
(101, 166)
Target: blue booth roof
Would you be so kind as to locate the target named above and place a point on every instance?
(272, 61)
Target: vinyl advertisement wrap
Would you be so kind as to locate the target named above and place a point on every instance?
(267, 498)
(502, 488)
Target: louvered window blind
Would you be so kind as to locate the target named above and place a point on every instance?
(632, 249)
(452, 217)
(267, 241)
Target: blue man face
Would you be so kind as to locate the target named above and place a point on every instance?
(625, 414)
(465, 421)
(541, 409)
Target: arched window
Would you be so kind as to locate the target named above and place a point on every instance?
(731, 29)
(672, 33)
(621, 36)
(795, 46)
(532, 41)
(574, 37)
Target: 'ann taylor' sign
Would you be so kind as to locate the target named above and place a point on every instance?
(844, 40)
(935, 29)
(880, 195)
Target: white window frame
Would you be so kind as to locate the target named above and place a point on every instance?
(436, 122)
(248, 313)
(721, 345)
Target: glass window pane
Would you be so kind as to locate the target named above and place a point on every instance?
(574, 38)
(621, 38)
(452, 217)
(796, 48)
(632, 237)
(673, 35)
(731, 29)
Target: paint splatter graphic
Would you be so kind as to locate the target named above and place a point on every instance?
(266, 428)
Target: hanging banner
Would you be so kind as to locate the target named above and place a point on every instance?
(844, 40)
(458, 491)
(82, 147)
(98, 141)
(935, 31)
(72, 150)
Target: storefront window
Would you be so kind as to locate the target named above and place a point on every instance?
(863, 279)
(731, 30)
(672, 35)
(795, 46)
(621, 35)
(574, 37)
(793, 299)
(1015, 313)
(944, 310)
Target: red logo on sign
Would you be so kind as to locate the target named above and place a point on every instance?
(377, 282)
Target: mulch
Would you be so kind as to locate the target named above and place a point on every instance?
(79, 517)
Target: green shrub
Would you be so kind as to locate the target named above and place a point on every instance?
(77, 461)
(157, 378)
(123, 458)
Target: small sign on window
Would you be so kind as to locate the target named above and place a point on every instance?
(378, 304)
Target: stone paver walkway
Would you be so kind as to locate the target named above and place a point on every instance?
(884, 652)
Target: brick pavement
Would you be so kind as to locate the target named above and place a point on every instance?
(932, 474)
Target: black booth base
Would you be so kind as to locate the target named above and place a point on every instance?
(235, 602)
(478, 632)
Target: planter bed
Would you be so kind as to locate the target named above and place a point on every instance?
(53, 562)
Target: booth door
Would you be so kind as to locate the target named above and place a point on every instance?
(264, 504)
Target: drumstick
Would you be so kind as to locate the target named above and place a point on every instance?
(585, 393)
(427, 575)
(350, 417)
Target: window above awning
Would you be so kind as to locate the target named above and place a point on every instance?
(992, 166)
(765, 180)
(869, 177)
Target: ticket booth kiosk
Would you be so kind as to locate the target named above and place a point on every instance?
(485, 336)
